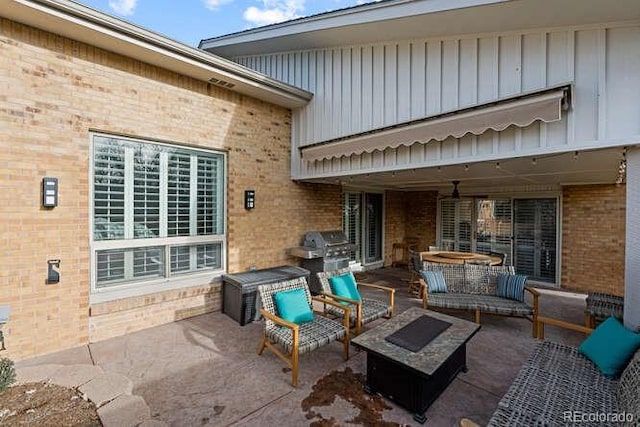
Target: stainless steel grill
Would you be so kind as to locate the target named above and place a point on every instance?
(323, 251)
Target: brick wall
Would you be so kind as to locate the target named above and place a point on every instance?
(420, 216)
(394, 223)
(54, 91)
(409, 215)
(593, 238)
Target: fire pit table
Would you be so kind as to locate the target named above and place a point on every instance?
(415, 377)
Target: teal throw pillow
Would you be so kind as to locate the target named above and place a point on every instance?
(511, 286)
(610, 346)
(293, 306)
(435, 281)
(345, 286)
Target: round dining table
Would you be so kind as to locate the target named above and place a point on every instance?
(452, 257)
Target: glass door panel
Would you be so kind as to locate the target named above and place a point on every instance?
(535, 233)
(351, 222)
(456, 224)
(373, 227)
(493, 226)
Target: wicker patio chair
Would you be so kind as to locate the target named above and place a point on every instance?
(600, 306)
(415, 265)
(364, 311)
(296, 339)
(501, 255)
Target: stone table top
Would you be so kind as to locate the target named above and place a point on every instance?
(432, 355)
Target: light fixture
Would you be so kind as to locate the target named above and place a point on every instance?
(466, 168)
(497, 165)
(455, 194)
(439, 169)
(575, 155)
(534, 161)
(622, 168)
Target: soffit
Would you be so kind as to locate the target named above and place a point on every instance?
(406, 20)
(545, 106)
(552, 170)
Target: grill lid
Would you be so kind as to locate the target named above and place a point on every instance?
(324, 239)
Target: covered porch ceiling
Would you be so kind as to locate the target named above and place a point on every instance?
(502, 175)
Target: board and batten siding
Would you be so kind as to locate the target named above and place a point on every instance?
(360, 88)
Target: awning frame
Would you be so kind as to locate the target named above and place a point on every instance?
(544, 105)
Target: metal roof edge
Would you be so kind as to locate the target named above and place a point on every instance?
(324, 20)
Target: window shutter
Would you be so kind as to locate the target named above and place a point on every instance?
(108, 190)
(146, 192)
(179, 202)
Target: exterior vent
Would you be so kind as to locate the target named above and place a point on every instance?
(222, 83)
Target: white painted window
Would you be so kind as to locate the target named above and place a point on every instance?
(158, 213)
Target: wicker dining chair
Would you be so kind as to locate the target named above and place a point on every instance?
(477, 261)
(364, 311)
(501, 255)
(296, 339)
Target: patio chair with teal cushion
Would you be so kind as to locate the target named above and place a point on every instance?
(363, 310)
(291, 324)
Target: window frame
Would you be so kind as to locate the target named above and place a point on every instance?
(169, 281)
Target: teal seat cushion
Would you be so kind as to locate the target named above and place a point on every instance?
(345, 286)
(435, 281)
(293, 306)
(511, 286)
(610, 347)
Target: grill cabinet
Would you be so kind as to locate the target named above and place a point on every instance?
(240, 290)
(323, 251)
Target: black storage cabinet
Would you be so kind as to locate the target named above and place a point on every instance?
(240, 290)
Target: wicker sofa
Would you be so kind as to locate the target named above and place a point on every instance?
(473, 287)
(559, 386)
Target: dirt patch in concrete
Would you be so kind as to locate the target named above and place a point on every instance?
(45, 404)
(349, 386)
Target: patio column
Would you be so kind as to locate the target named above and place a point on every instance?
(632, 242)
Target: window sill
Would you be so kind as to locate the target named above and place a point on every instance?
(155, 287)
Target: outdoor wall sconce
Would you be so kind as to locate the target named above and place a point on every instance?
(53, 272)
(49, 192)
(249, 199)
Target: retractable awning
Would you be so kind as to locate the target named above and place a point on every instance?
(545, 105)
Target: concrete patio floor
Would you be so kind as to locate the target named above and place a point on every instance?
(205, 370)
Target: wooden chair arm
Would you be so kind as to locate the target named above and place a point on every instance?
(380, 287)
(532, 291)
(560, 323)
(346, 318)
(280, 321)
(425, 292)
(345, 308)
(390, 291)
(338, 298)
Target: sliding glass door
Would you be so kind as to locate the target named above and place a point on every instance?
(535, 233)
(524, 229)
(362, 222)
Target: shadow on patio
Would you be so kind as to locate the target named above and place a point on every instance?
(205, 370)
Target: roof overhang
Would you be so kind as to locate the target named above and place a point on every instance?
(87, 25)
(393, 20)
(521, 111)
